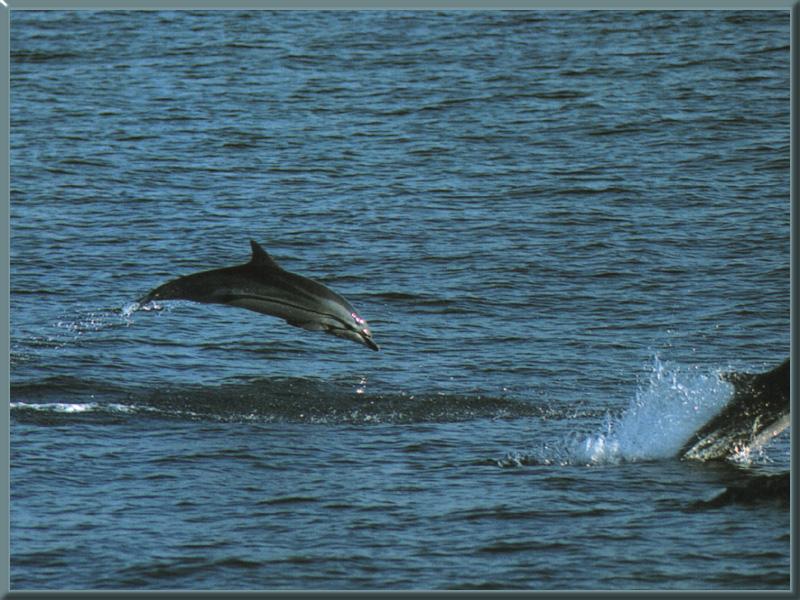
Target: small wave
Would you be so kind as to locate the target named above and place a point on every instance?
(286, 500)
(170, 568)
(759, 489)
(38, 56)
(562, 94)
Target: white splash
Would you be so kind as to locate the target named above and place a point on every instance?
(73, 407)
(130, 308)
(663, 415)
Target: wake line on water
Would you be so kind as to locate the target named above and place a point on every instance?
(291, 401)
(669, 405)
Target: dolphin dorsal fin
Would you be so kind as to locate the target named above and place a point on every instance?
(260, 257)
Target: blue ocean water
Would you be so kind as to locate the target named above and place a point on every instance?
(561, 226)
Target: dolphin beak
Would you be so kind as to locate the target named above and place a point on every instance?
(365, 337)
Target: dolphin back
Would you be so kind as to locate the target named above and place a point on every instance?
(757, 411)
(198, 287)
(218, 285)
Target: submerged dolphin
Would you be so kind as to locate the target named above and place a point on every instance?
(261, 285)
(757, 412)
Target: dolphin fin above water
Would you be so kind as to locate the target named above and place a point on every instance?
(758, 411)
(261, 285)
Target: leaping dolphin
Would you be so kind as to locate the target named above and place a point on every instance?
(263, 286)
(757, 412)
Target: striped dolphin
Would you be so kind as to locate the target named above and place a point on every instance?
(758, 411)
(263, 286)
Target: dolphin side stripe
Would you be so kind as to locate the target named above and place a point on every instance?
(261, 299)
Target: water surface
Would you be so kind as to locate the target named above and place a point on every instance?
(560, 226)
